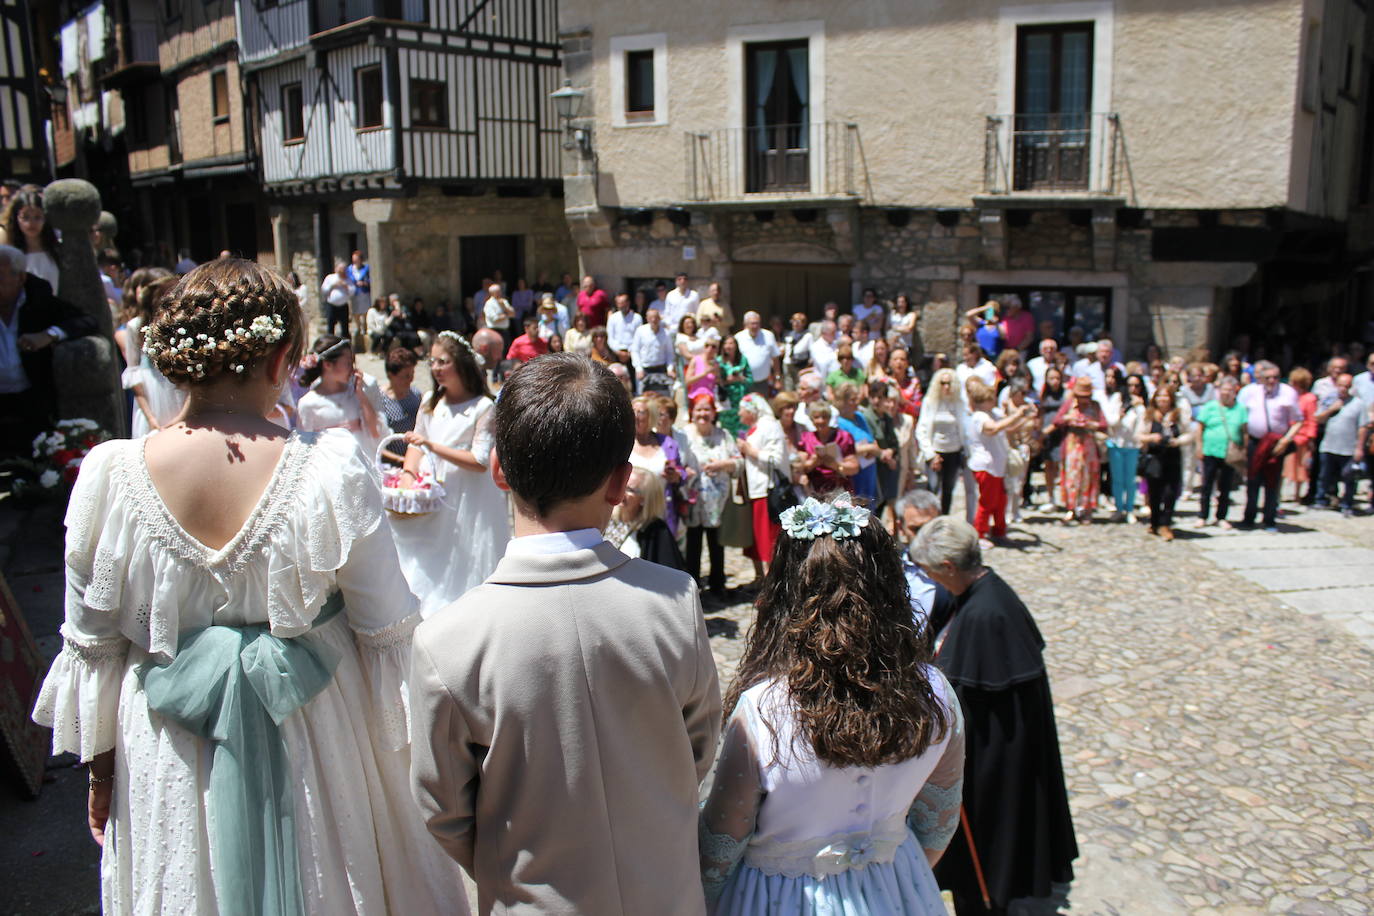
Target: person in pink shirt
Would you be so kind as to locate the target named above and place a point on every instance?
(1274, 419)
(701, 376)
(593, 302)
(1017, 325)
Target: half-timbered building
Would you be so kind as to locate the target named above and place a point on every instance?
(419, 132)
(23, 151)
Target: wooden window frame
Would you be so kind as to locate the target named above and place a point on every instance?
(217, 116)
(287, 137)
(632, 57)
(361, 123)
(420, 87)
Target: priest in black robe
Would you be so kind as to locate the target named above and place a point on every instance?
(1017, 807)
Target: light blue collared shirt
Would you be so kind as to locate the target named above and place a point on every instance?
(536, 545)
(922, 590)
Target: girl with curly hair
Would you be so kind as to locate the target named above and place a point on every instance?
(840, 774)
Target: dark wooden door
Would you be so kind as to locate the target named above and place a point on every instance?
(777, 137)
(479, 256)
(782, 289)
(1052, 125)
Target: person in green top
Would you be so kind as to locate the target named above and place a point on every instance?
(1223, 424)
(735, 382)
(848, 371)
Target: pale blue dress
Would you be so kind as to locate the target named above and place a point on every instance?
(785, 833)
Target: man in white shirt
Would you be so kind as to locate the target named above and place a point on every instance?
(651, 354)
(621, 327)
(914, 510)
(758, 345)
(1096, 368)
(1363, 385)
(974, 365)
(680, 301)
(715, 312)
(498, 312)
(1049, 348)
(823, 350)
(863, 345)
(869, 311)
(338, 294)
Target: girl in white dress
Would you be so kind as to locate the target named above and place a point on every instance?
(841, 769)
(341, 396)
(26, 228)
(456, 547)
(157, 402)
(237, 643)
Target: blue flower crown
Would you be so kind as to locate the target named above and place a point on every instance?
(840, 519)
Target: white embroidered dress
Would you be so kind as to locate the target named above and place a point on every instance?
(137, 583)
(449, 551)
(787, 833)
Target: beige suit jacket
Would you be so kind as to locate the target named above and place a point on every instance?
(563, 714)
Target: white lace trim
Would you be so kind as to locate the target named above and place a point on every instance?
(79, 699)
(391, 635)
(820, 857)
(322, 497)
(267, 517)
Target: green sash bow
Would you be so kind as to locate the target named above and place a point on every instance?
(234, 686)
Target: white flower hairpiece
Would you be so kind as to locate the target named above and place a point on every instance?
(269, 328)
(840, 519)
(463, 342)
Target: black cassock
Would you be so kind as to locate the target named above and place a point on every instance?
(1013, 778)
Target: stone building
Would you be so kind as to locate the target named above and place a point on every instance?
(1167, 172)
(419, 132)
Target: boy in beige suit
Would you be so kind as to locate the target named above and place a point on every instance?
(564, 712)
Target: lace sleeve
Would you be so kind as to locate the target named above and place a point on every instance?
(729, 815)
(79, 699)
(934, 815)
(483, 437)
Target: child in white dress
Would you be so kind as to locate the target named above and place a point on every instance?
(454, 548)
(157, 402)
(237, 642)
(840, 774)
(341, 396)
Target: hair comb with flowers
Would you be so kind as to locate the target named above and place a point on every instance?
(840, 519)
(463, 342)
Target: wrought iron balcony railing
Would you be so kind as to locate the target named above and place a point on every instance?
(1080, 153)
(820, 159)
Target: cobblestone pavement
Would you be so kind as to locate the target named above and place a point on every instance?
(1218, 744)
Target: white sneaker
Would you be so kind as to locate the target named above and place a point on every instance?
(1130, 518)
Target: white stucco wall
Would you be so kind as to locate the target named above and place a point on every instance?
(1206, 92)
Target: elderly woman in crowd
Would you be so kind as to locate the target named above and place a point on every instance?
(908, 384)
(848, 419)
(714, 457)
(940, 435)
(830, 461)
(639, 526)
(786, 406)
(400, 397)
(600, 350)
(1016, 805)
(656, 452)
(762, 448)
(1081, 418)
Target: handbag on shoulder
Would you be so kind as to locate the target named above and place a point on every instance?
(781, 495)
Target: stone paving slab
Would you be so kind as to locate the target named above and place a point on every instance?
(1255, 558)
(1263, 540)
(1292, 579)
(1333, 602)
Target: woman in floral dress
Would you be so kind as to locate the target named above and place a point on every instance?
(714, 457)
(1081, 419)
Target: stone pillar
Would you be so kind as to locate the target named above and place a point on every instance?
(85, 370)
(994, 226)
(281, 249)
(375, 214)
(1104, 238)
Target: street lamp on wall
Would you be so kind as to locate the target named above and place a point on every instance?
(567, 102)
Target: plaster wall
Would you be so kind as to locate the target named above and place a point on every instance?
(1206, 92)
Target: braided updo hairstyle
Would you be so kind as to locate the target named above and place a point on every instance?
(223, 317)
